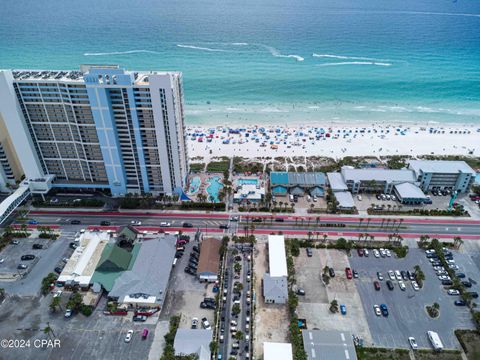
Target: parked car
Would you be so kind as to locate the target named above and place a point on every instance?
(37, 246)
(384, 309)
(460, 275)
(257, 220)
(415, 286)
(22, 266)
(68, 313)
(206, 324)
(194, 323)
(355, 274)
(390, 285)
(447, 282)
(190, 271)
(388, 253)
(234, 218)
(467, 284)
(343, 309)
(376, 253)
(27, 257)
(460, 302)
(411, 275)
(187, 225)
(72, 245)
(453, 292)
(379, 276)
(129, 335)
(224, 226)
(377, 310)
(413, 343)
(139, 318)
(365, 252)
(398, 276)
(360, 252)
(348, 272)
(309, 252)
(300, 292)
(391, 274)
(14, 242)
(58, 270)
(279, 219)
(473, 294)
(404, 275)
(331, 272)
(376, 284)
(402, 286)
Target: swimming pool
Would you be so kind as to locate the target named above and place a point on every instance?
(247, 181)
(194, 185)
(214, 188)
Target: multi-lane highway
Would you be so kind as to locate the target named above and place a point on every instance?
(293, 225)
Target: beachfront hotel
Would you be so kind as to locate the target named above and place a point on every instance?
(98, 128)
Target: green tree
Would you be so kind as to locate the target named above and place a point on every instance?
(334, 306)
(239, 335)
(236, 309)
(55, 303)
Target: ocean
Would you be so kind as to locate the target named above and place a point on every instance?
(271, 61)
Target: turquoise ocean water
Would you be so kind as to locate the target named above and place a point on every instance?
(277, 61)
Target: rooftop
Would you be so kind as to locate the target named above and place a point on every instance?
(410, 191)
(329, 345)
(294, 179)
(387, 175)
(146, 281)
(83, 262)
(277, 351)
(335, 179)
(209, 260)
(193, 341)
(276, 256)
(440, 166)
(345, 199)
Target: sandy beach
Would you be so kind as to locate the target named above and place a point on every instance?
(339, 141)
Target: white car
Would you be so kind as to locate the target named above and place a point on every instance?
(68, 313)
(376, 253)
(57, 293)
(383, 253)
(444, 277)
(393, 197)
(2, 260)
(437, 268)
(377, 310)
(453, 292)
(453, 267)
(430, 251)
(398, 275)
(194, 323)
(402, 285)
(165, 224)
(138, 223)
(359, 197)
(365, 252)
(206, 324)
(388, 253)
(415, 286)
(129, 335)
(413, 343)
(391, 274)
(452, 262)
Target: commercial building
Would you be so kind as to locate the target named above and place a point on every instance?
(375, 180)
(328, 345)
(410, 194)
(277, 351)
(344, 200)
(275, 282)
(98, 128)
(284, 183)
(193, 341)
(248, 190)
(145, 283)
(443, 175)
(209, 260)
(79, 269)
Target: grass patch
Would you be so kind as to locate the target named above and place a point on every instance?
(470, 341)
(196, 167)
(218, 166)
(432, 355)
(382, 354)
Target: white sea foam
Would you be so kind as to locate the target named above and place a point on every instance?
(344, 57)
(122, 53)
(277, 53)
(356, 63)
(200, 48)
(239, 44)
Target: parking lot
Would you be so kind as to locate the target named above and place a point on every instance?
(314, 306)
(185, 294)
(407, 313)
(94, 337)
(27, 282)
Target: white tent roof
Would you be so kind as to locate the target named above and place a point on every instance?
(276, 255)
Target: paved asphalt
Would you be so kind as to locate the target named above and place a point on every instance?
(442, 228)
(407, 314)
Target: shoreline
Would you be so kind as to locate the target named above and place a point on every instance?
(336, 141)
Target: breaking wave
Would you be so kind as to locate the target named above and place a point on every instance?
(356, 63)
(122, 53)
(200, 48)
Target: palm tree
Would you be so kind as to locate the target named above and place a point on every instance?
(325, 236)
(400, 221)
(360, 222)
(312, 205)
(360, 235)
(317, 219)
(292, 205)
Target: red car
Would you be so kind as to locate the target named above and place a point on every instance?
(348, 272)
(360, 252)
(377, 285)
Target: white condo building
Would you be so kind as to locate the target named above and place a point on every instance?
(98, 128)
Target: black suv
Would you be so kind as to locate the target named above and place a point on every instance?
(390, 285)
(27, 257)
(105, 223)
(37, 246)
(187, 225)
(75, 222)
(331, 272)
